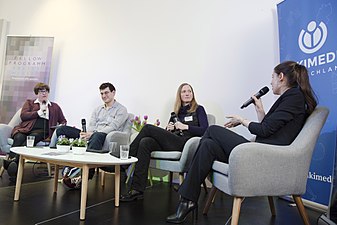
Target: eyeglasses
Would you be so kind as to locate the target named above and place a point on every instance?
(44, 91)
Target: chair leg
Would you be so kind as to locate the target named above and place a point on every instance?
(236, 210)
(2, 169)
(271, 205)
(49, 170)
(209, 200)
(150, 177)
(301, 209)
(102, 178)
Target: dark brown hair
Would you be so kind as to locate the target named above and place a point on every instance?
(105, 85)
(297, 76)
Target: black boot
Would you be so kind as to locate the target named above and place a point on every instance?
(184, 208)
(12, 170)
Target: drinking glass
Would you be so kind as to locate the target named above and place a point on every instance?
(124, 151)
(30, 141)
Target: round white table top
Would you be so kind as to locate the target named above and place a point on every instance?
(86, 158)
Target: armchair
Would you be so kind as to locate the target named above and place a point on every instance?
(257, 169)
(121, 137)
(176, 161)
(6, 141)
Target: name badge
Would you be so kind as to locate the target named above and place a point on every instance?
(188, 118)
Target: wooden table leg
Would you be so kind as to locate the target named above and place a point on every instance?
(84, 191)
(117, 184)
(19, 178)
(56, 177)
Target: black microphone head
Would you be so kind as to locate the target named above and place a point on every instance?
(262, 92)
(174, 117)
(84, 127)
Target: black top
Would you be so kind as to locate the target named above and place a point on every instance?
(197, 121)
(283, 122)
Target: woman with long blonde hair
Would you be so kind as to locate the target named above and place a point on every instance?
(188, 120)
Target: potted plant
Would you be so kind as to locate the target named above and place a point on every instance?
(79, 146)
(63, 144)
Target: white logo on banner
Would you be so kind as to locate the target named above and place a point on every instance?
(313, 38)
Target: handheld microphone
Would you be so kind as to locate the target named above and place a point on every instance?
(175, 119)
(84, 128)
(44, 108)
(259, 94)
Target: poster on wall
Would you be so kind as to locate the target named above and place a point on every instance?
(307, 34)
(27, 62)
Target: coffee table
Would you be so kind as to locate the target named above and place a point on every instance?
(85, 162)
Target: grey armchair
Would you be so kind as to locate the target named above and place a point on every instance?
(121, 137)
(257, 169)
(6, 130)
(6, 141)
(176, 161)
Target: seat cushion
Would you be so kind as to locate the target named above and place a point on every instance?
(168, 155)
(220, 167)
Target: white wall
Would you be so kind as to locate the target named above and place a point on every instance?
(225, 49)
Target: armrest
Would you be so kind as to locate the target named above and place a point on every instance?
(122, 138)
(188, 152)
(5, 133)
(257, 169)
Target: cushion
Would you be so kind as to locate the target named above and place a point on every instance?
(168, 155)
(220, 167)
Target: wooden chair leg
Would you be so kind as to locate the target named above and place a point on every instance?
(301, 209)
(150, 177)
(236, 210)
(209, 200)
(271, 205)
(49, 170)
(102, 178)
(2, 169)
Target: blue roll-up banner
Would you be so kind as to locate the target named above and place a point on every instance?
(308, 35)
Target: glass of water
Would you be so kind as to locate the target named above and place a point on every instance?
(30, 141)
(124, 151)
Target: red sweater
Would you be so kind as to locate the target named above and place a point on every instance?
(29, 116)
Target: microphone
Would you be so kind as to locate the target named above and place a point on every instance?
(84, 128)
(259, 94)
(44, 108)
(175, 119)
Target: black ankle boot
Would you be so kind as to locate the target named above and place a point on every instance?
(184, 208)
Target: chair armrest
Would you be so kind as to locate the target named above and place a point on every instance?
(188, 152)
(5, 133)
(122, 138)
(257, 169)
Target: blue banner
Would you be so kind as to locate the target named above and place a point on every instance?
(308, 35)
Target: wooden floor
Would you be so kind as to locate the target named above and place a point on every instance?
(38, 205)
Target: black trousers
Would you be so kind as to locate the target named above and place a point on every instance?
(216, 144)
(151, 138)
(96, 140)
